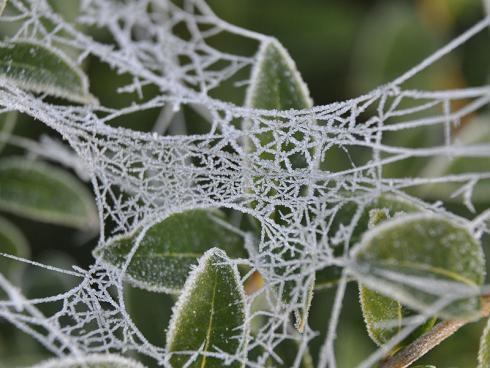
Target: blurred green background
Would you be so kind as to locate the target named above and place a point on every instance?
(343, 48)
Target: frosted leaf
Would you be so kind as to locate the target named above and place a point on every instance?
(377, 209)
(209, 315)
(170, 248)
(406, 251)
(36, 68)
(276, 84)
(91, 361)
(45, 193)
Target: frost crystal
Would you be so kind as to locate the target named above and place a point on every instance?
(141, 178)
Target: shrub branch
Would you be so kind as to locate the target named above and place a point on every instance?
(431, 339)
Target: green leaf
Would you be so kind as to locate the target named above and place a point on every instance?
(45, 193)
(425, 366)
(3, 3)
(91, 361)
(7, 124)
(34, 67)
(170, 248)
(276, 84)
(383, 207)
(209, 315)
(12, 242)
(421, 259)
(484, 351)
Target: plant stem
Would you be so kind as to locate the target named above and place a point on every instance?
(431, 339)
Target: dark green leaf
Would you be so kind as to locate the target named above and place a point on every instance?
(422, 259)
(169, 249)
(91, 361)
(383, 207)
(7, 124)
(484, 351)
(277, 84)
(36, 68)
(209, 315)
(45, 193)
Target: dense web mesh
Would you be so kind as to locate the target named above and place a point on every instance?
(142, 178)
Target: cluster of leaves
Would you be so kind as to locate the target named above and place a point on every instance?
(190, 254)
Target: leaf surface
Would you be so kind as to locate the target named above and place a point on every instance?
(34, 67)
(421, 259)
(169, 249)
(42, 192)
(7, 124)
(484, 350)
(209, 315)
(381, 208)
(277, 84)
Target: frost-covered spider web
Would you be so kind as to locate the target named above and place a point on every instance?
(141, 178)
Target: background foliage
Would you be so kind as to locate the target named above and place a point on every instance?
(343, 48)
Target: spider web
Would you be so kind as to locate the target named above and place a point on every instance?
(141, 178)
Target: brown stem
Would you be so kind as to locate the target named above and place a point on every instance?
(431, 339)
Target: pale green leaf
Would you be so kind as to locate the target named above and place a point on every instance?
(169, 249)
(422, 259)
(34, 67)
(12, 242)
(3, 3)
(484, 351)
(45, 193)
(91, 361)
(209, 315)
(276, 84)
(7, 124)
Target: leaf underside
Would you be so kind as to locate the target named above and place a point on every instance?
(170, 248)
(209, 315)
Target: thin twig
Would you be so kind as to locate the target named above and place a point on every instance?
(431, 339)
